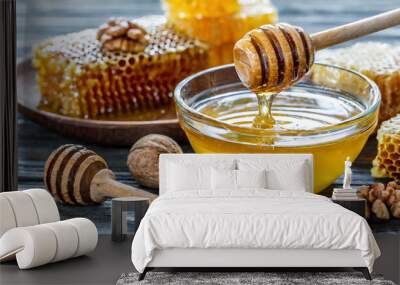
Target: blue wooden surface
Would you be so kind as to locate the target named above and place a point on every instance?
(40, 19)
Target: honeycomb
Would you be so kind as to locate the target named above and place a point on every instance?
(199, 8)
(387, 161)
(76, 78)
(378, 61)
(219, 29)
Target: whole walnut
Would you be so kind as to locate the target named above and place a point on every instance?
(380, 210)
(382, 200)
(395, 209)
(144, 156)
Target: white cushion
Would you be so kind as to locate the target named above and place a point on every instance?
(26, 208)
(45, 205)
(67, 237)
(185, 177)
(40, 244)
(289, 175)
(223, 179)
(295, 181)
(23, 208)
(251, 179)
(7, 218)
(87, 235)
(231, 161)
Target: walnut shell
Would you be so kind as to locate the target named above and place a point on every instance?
(395, 209)
(144, 156)
(380, 210)
(363, 191)
(120, 34)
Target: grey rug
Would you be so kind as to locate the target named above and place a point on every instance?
(243, 278)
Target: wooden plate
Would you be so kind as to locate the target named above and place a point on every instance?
(93, 131)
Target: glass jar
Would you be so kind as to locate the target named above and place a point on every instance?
(338, 107)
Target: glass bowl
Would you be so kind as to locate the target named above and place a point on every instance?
(330, 114)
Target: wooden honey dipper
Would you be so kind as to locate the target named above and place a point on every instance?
(76, 175)
(273, 57)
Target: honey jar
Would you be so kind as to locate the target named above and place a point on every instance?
(330, 113)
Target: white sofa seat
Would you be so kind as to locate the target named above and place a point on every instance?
(31, 231)
(26, 208)
(41, 244)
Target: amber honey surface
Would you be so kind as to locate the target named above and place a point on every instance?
(219, 23)
(294, 111)
(78, 79)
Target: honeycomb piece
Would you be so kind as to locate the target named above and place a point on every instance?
(222, 32)
(378, 61)
(253, 14)
(221, 54)
(387, 161)
(213, 31)
(76, 78)
(200, 8)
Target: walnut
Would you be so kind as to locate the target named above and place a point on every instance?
(393, 184)
(381, 199)
(119, 34)
(380, 210)
(363, 191)
(144, 155)
(395, 209)
(395, 197)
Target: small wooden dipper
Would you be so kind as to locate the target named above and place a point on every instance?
(76, 175)
(272, 57)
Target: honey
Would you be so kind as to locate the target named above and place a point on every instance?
(378, 61)
(330, 114)
(264, 118)
(219, 23)
(293, 110)
(387, 160)
(77, 78)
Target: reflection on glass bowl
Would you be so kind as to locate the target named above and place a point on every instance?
(330, 114)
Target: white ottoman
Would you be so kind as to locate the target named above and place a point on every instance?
(31, 231)
(26, 208)
(33, 246)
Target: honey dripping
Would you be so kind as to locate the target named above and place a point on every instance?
(264, 118)
(270, 59)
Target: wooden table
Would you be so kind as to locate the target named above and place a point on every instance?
(40, 19)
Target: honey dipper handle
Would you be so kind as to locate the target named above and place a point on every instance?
(104, 185)
(356, 29)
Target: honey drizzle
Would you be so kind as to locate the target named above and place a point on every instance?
(264, 118)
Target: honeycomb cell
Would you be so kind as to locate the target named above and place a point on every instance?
(390, 147)
(378, 61)
(198, 8)
(76, 78)
(220, 29)
(387, 161)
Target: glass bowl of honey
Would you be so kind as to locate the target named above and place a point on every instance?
(330, 113)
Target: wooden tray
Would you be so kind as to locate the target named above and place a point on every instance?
(103, 132)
